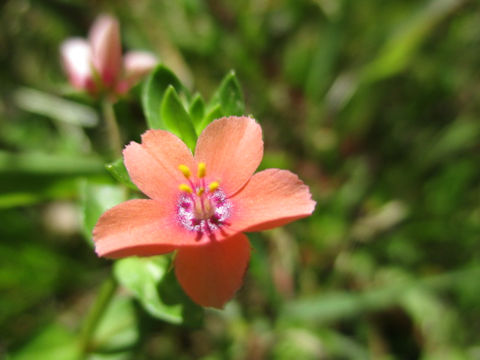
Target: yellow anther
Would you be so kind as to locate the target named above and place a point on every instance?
(213, 186)
(185, 188)
(185, 170)
(200, 191)
(202, 170)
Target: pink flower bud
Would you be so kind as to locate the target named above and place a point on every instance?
(136, 64)
(106, 48)
(96, 65)
(76, 60)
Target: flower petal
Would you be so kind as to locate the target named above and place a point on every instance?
(211, 274)
(153, 165)
(137, 64)
(135, 227)
(76, 59)
(232, 149)
(271, 198)
(142, 227)
(106, 48)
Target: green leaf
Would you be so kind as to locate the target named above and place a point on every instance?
(143, 277)
(96, 199)
(153, 92)
(335, 306)
(171, 293)
(20, 290)
(117, 331)
(214, 113)
(458, 136)
(197, 109)
(118, 170)
(28, 178)
(44, 164)
(401, 46)
(229, 95)
(18, 199)
(53, 342)
(55, 107)
(116, 334)
(176, 118)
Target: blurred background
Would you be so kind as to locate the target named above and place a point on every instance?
(375, 104)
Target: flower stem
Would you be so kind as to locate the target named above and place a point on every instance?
(112, 128)
(96, 312)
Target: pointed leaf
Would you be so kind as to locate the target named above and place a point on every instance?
(153, 92)
(229, 95)
(176, 118)
(197, 109)
(118, 170)
(215, 113)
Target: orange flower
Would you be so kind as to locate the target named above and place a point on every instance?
(97, 64)
(202, 214)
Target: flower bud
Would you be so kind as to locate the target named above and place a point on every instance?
(137, 64)
(76, 60)
(106, 49)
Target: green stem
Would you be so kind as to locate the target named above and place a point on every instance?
(112, 128)
(96, 312)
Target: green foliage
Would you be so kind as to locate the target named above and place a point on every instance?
(118, 330)
(54, 342)
(197, 110)
(154, 90)
(44, 164)
(166, 104)
(229, 95)
(96, 199)
(215, 112)
(118, 170)
(114, 338)
(400, 48)
(31, 177)
(176, 118)
(144, 278)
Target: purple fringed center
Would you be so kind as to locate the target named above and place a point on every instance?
(203, 213)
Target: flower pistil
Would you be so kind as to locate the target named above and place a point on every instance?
(201, 208)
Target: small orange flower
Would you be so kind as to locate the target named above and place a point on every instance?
(201, 205)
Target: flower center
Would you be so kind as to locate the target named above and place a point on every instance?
(201, 208)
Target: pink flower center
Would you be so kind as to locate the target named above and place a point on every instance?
(202, 208)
